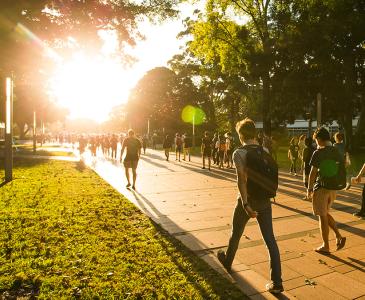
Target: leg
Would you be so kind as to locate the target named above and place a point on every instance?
(324, 229)
(333, 226)
(134, 171)
(264, 219)
(127, 175)
(203, 161)
(209, 159)
(240, 219)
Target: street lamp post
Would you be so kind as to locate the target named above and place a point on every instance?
(194, 130)
(9, 130)
(319, 110)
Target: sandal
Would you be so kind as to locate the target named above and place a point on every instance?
(341, 243)
(322, 250)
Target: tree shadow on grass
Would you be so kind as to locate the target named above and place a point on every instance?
(80, 166)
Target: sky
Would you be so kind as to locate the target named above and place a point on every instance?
(91, 87)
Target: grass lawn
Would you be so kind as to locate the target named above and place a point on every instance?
(65, 233)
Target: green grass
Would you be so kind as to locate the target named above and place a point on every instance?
(65, 233)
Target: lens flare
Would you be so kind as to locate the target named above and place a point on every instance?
(193, 115)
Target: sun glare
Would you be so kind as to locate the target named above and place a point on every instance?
(90, 87)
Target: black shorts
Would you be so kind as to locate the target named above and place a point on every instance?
(207, 152)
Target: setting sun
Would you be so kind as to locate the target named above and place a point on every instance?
(90, 86)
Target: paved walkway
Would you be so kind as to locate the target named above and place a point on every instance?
(195, 206)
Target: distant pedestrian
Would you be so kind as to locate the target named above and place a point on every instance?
(133, 146)
(257, 177)
(327, 175)
(144, 143)
(293, 154)
(229, 150)
(114, 145)
(206, 149)
(178, 146)
(301, 145)
(306, 156)
(154, 141)
(187, 144)
(214, 149)
(357, 179)
(221, 146)
(167, 144)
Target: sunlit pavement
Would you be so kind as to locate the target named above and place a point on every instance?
(196, 205)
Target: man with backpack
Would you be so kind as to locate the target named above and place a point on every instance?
(327, 175)
(257, 181)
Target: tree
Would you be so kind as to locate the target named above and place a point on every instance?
(160, 97)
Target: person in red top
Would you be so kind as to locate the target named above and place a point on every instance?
(133, 146)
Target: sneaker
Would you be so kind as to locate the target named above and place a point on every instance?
(359, 214)
(221, 255)
(274, 289)
(128, 185)
(348, 186)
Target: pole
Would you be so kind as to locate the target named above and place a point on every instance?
(194, 130)
(148, 127)
(9, 130)
(34, 132)
(319, 110)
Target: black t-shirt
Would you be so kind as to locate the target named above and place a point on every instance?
(206, 141)
(187, 142)
(294, 150)
(133, 146)
(307, 155)
(324, 159)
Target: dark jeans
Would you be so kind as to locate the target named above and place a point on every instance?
(264, 219)
(293, 166)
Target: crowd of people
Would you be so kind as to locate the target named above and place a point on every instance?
(322, 159)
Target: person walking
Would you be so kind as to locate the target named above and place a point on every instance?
(327, 175)
(293, 153)
(301, 145)
(167, 144)
(229, 150)
(144, 143)
(214, 149)
(357, 179)
(178, 146)
(254, 200)
(187, 144)
(114, 145)
(133, 146)
(206, 149)
(306, 156)
(221, 146)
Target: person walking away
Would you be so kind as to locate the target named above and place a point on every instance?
(187, 144)
(133, 147)
(275, 148)
(293, 155)
(114, 146)
(307, 155)
(206, 149)
(154, 141)
(214, 148)
(229, 150)
(357, 179)
(341, 148)
(301, 145)
(144, 143)
(257, 182)
(178, 146)
(167, 144)
(327, 175)
(221, 145)
(93, 145)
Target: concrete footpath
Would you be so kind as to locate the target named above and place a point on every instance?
(195, 206)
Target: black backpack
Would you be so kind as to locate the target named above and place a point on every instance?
(332, 171)
(262, 173)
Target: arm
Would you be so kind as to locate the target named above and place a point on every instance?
(122, 151)
(242, 186)
(361, 173)
(311, 179)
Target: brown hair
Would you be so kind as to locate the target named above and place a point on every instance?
(339, 136)
(246, 129)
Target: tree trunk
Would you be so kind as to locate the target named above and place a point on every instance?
(266, 104)
(348, 128)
